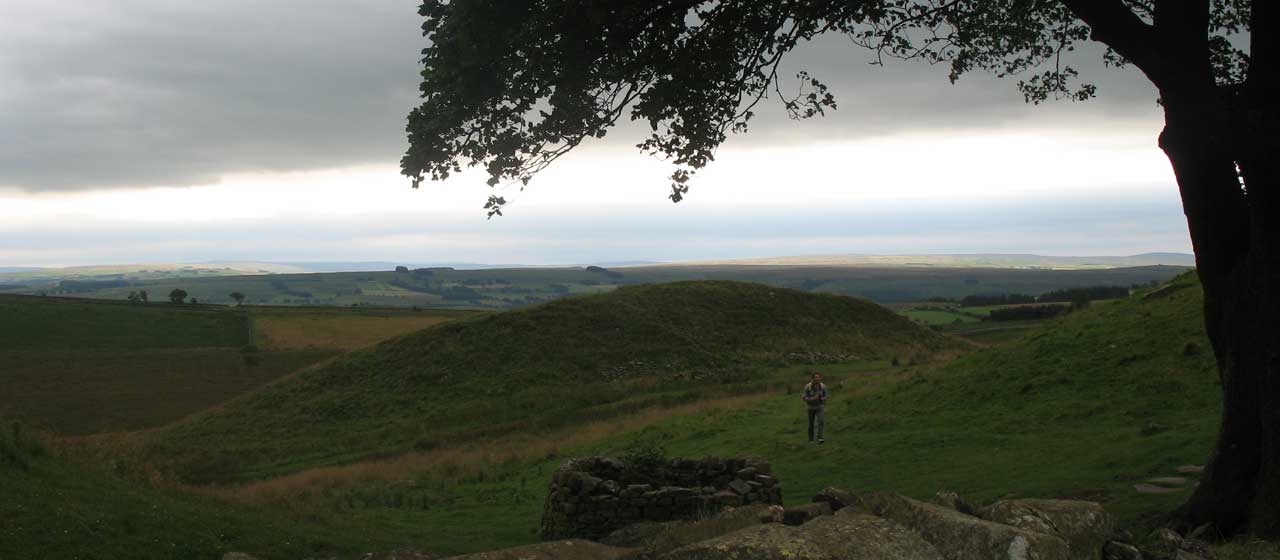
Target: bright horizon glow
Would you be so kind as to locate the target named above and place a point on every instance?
(904, 167)
(1043, 190)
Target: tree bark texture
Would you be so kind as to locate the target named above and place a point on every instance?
(1224, 145)
(1225, 154)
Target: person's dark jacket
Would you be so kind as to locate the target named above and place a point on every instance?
(815, 397)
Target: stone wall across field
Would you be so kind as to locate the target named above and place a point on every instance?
(594, 496)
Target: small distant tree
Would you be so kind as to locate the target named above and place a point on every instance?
(239, 297)
(142, 296)
(194, 301)
(178, 295)
(402, 269)
(133, 297)
(1079, 300)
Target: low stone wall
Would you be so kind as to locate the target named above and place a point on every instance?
(594, 496)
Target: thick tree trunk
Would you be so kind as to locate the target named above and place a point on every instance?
(1237, 243)
(1210, 132)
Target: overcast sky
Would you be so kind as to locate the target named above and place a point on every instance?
(159, 131)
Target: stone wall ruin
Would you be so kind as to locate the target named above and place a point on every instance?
(594, 496)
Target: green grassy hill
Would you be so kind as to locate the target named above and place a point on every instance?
(1083, 406)
(538, 368)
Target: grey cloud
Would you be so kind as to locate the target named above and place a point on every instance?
(912, 96)
(141, 93)
(152, 92)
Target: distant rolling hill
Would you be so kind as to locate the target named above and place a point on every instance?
(544, 366)
(975, 260)
(519, 287)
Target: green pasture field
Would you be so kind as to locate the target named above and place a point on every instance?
(76, 366)
(344, 328)
(938, 316)
(77, 392)
(968, 322)
(59, 323)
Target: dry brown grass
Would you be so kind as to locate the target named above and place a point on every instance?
(458, 461)
(335, 331)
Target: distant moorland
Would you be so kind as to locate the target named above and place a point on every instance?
(880, 279)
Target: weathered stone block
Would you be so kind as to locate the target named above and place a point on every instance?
(831, 538)
(799, 515)
(961, 536)
(836, 497)
(560, 550)
(1084, 525)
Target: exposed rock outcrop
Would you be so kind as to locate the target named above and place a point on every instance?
(799, 515)
(1085, 526)
(559, 550)
(848, 534)
(959, 536)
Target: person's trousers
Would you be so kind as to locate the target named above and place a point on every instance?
(816, 416)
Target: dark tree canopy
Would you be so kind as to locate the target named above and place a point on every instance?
(512, 85)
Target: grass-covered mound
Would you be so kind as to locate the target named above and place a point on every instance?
(542, 367)
(1084, 406)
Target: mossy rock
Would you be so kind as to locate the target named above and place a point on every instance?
(572, 549)
(847, 534)
(1084, 525)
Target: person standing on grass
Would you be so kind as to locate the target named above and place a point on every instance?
(815, 397)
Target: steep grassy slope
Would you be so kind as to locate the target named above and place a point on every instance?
(569, 360)
(1083, 406)
(78, 366)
